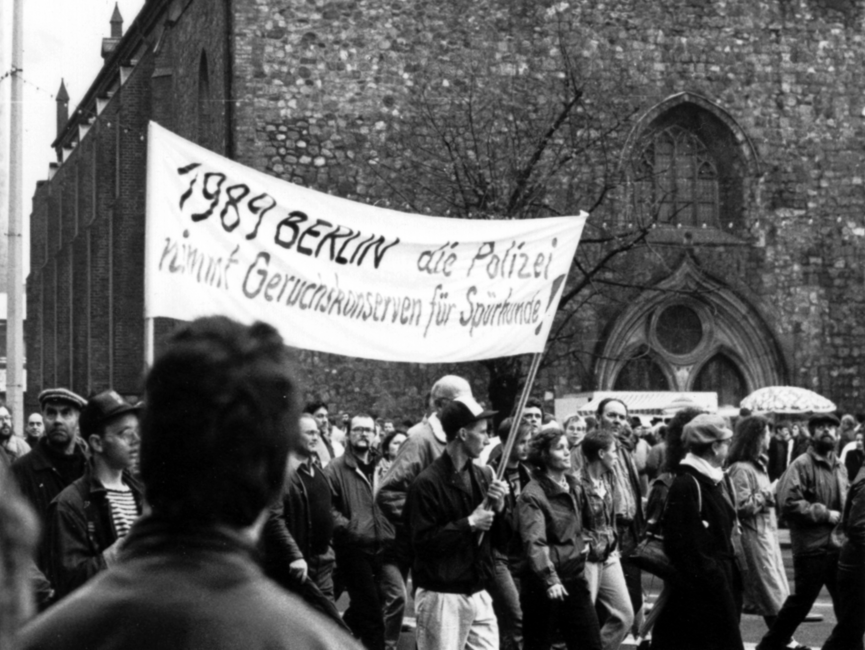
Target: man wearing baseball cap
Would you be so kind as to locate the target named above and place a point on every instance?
(811, 496)
(448, 506)
(57, 460)
(89, 519)
(426, 441)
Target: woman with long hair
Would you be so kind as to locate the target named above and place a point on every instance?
(765, 580)
(555, 593)
(390, 446)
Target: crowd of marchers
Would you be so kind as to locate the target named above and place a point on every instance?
(218, 516)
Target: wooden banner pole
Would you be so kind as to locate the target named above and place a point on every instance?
(508, 445)
(518, 415)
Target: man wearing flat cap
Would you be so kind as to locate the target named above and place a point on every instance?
(89, 519)
(811, 497)
(58, 459)
(450, 504)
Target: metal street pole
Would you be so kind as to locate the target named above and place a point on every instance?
(5, 32)
(15, 284)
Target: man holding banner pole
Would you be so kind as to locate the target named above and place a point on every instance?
(446, 506)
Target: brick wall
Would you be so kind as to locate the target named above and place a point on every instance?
(318, 83)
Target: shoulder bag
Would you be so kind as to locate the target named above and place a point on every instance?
(649, 554)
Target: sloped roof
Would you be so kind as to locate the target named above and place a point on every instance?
(640, 402)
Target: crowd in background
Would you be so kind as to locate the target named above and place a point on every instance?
(532, 544)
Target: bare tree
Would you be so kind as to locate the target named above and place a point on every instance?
(508, 130)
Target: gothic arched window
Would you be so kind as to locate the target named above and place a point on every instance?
(678, 178)
(721, 375)
(641, 372)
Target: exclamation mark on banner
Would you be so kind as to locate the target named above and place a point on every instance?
(553, 291)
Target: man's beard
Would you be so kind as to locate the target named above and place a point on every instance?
(5, 433)
(824, 445)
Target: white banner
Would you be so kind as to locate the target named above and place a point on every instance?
(344, 277)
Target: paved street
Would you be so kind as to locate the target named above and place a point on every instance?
(812, 634)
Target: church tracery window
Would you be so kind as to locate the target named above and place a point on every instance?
(678, 178)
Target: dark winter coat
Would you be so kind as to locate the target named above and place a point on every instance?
(80, 527)
(551, 528)
(187, 588)
(358, 521)
(447, 557)
(40, 481)
(704, 606)
(809, 489)
(778, 453)
(514, 552)
(288, 533)
(853, 551)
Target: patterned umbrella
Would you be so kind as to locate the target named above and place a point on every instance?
(787, 399)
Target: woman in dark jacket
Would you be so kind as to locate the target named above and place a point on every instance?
(658, 490)
(555, 593)
(698, 523)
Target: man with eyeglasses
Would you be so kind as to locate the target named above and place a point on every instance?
(811, 497)
(12, 447)
(362, 539)
(89, 520)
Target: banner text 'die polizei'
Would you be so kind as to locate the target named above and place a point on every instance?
(345, 277)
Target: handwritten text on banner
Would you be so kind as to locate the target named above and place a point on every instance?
(344, 277)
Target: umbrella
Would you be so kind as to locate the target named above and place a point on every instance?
(787, 399)
(680, 403)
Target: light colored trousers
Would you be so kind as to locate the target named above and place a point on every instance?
(607, 585)
(455, 621)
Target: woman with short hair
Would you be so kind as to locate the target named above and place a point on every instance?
(555, 593)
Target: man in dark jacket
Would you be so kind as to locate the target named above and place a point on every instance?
(56, 461)
(220, 419)
(448, 505)
(362, 535)
(297, 534)
(90, 518)
(426, 441)
(811, 497)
